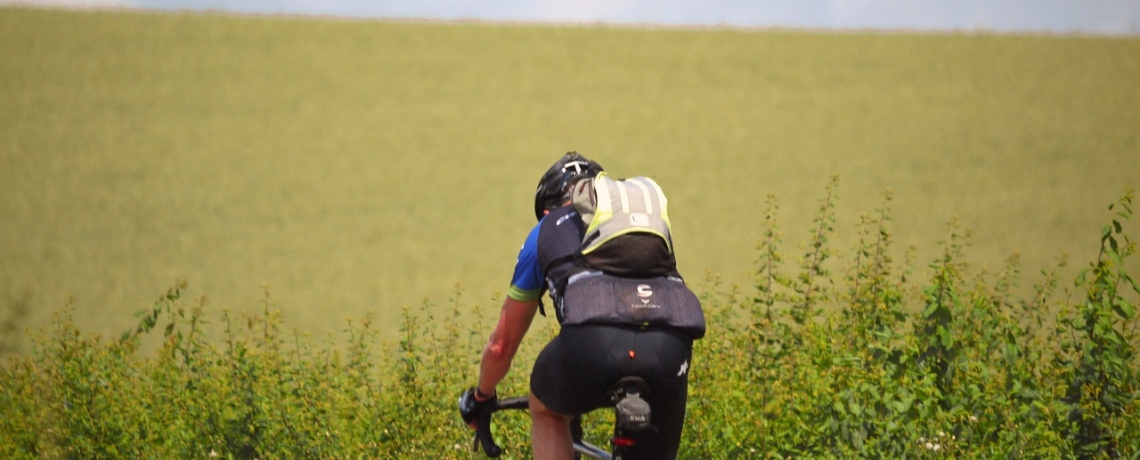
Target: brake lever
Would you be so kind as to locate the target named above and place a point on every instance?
(483, 435)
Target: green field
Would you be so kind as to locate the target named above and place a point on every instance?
(359, 166)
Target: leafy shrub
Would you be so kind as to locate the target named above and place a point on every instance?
(861, 362)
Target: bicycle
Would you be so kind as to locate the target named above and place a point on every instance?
(631, 416)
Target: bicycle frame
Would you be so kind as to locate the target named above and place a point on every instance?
(484, 439)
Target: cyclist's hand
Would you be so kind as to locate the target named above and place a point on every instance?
(470, 407)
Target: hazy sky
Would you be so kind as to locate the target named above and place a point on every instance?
(1086, 16)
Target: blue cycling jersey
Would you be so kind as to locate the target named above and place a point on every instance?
(526, 284)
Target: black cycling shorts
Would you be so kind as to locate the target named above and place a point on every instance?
(573, 372)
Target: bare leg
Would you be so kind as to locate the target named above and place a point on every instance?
(549, 433)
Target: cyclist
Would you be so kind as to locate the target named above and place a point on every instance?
(573, 372)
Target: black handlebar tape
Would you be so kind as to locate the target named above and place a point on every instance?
(483, 436)
(483, 433)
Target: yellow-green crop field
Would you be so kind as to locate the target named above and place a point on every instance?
(357, 166)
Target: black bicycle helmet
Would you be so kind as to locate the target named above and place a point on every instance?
(554, 186)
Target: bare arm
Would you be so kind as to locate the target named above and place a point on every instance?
(514, 321)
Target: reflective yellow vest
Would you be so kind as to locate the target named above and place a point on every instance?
(611, 208)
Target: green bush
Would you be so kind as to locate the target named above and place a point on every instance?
(861, 361)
